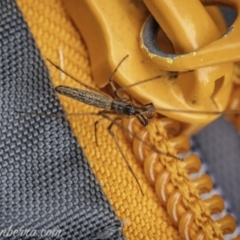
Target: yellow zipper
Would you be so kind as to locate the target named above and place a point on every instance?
(170, 179)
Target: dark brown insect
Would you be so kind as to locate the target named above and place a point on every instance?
(111, 106)
(117, 106)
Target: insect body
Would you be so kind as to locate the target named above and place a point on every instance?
(111, 106)
(86, 97)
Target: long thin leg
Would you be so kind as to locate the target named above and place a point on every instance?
(95, 129)
(147, 144)
(111, 81)
(120, 150)
(169, 76)
(72, 77)
(57, 114)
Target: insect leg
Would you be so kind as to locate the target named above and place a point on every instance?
(120, 150)
(111, 80)
(57, 114)
(73, 78)
(95, 129)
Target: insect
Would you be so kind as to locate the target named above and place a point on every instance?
(111, 106)
(117, 106)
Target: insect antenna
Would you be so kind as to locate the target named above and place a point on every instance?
(75, 79)
(57, 114)
(169, 76)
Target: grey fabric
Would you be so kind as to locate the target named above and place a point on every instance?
(220, 147)
(46, 182)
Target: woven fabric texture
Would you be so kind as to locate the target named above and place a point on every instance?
(46, 181)
(59, 41)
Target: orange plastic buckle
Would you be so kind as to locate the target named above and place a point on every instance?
(191, 37)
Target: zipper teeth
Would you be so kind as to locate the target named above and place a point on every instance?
(170, 178)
